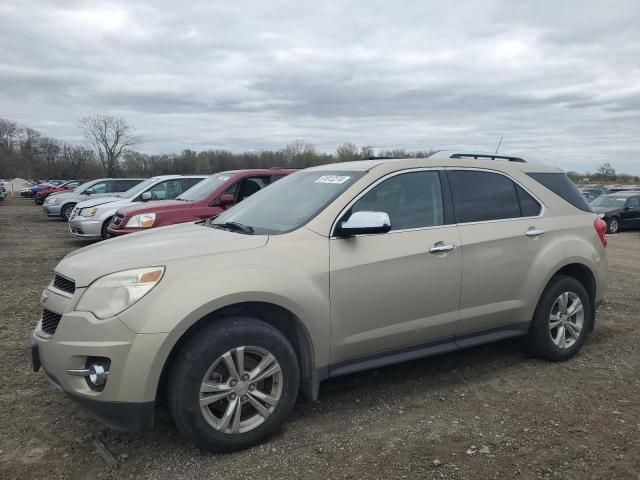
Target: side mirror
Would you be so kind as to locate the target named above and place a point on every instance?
(226, 200)
(364, 223)
(89, 191)
(146, 196)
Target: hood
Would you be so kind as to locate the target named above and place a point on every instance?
(158, 246)
(64, 195)
(157, 206)
(604, 209)
(94, 202)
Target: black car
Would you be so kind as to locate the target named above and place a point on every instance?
(619, 210)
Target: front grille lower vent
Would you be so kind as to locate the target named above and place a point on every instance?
(50, 321)
(64, 284)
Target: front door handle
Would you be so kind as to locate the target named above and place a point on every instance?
(441, 247)
(534, 232)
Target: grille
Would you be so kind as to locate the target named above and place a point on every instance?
(50, 321)
(117, 219)
(64, 284)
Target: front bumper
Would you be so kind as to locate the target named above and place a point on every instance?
(52, 210)
(82, 227)
(123, 416)
(127, 399)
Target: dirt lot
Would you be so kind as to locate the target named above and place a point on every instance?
(488, 412)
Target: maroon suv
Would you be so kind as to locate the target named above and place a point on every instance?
(207, 199)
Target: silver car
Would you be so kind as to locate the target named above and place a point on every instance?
(91, 218)
(62, 204)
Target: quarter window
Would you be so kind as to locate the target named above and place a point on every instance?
(412, 200)
(529, 206)
(481, 196)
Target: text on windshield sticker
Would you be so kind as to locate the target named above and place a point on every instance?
(337, 179)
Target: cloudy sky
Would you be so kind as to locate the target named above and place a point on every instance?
(559, 79)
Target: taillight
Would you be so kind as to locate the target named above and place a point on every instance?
(601, 228)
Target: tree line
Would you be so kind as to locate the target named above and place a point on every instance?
(109, 150)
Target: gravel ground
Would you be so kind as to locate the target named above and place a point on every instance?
(487, 412)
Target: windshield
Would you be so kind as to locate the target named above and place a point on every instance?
(206, 187)
(137, 189)
(291, 202)
(609, 201)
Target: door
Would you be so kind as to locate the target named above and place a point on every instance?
(501, 236)
(387, 290)
(631, 213)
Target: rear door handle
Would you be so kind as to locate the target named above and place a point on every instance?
(441, 247)
(534, 232)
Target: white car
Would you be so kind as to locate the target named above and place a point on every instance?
(91, 218)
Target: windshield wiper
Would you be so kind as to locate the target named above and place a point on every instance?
(233, 226)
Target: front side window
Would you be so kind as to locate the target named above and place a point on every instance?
(124, 185)
(481, 196)
(166, 190)
(101, 187)
(412, 200)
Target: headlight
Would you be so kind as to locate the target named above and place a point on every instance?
(54, 201)
(113, 293)
(88, 212)
(144, 220)
(601, 215)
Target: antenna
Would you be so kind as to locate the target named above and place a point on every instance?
(499, 143)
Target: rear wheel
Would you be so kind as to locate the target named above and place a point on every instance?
(66, 210)
(233, 385)
(561, 321)
(613, 225)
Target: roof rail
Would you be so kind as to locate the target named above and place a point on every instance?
(372, 157)
(490, 156)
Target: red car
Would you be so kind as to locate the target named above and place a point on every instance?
(70, 185)
(207, 199)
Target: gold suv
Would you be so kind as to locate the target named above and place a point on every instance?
(329, 271)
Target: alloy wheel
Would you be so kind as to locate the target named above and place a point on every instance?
(566, 320)
(241, 389)
(613, 225)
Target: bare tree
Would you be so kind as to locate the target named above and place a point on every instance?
(50, 149)
(108, 136)
(9, 133)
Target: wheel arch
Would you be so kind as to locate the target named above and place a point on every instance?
(275, 315)
(586, 277)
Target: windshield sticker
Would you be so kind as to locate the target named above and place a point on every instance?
(336, 179)
(223, 178)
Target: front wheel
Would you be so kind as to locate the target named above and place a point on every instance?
(66, 211)
(561, 320)
(613, 225)
(233, 384)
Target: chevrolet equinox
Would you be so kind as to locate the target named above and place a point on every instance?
(329, 271)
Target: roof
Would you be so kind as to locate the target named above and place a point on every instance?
(443, 158)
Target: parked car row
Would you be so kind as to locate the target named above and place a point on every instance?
(328, 271)
(618, 207)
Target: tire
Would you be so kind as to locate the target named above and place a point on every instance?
(65, 211)
(103, 230)
(197, 360)
(543, 340)
(613, 225)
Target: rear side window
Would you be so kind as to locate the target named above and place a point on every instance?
(190, 182)
(124, 185)
(562, 186)
(481, 196)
